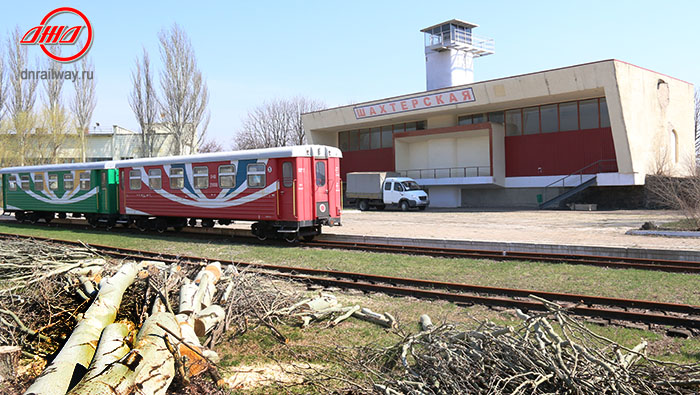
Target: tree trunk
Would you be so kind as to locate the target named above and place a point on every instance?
(9, 359)
(72, 361)
(114, 345)
(148, 369)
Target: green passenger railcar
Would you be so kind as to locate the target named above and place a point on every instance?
(39, 192)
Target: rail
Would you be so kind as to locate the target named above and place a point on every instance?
(601, 168)
(480, 45)
(448, 172)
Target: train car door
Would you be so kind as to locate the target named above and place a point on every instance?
(104, 196)
(321, 189)
(287, 193)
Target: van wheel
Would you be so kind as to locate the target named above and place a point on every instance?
(363, 205)
(403, 205)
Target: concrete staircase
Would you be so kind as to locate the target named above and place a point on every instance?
(556, 201)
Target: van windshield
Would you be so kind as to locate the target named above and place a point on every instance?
(411, 185)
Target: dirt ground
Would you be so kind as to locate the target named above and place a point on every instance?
(597, 228)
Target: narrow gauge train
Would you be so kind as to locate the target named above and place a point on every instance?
(288, 192)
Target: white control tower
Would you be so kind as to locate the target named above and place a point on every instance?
(450, 49)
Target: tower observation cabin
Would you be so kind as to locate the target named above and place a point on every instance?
(450, 49)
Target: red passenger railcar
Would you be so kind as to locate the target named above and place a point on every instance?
(288, 191)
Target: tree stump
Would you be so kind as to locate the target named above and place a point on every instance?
(9, 360)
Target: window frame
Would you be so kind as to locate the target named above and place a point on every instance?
(68, 179)
(196, 176)
(36, 182)
(11, 182)
(320, 181)
(152, 177)
(387, 186)
(135, 177)
(252, 172)
(287, 180)
(85, 176)
(22, 181)
(53, 176)
(180, 177)
(231, 174)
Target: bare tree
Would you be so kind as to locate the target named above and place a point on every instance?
(21, 99)
(185, 94)
(84, 101)
(210, 145)
(276, 123)
(55, 116)
(697, 125)
(144, 103)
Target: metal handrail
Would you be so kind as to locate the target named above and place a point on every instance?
(448, 172)
(578, 173)
(460, 37)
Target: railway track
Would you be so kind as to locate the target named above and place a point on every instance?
(649, 312)
(576, 259)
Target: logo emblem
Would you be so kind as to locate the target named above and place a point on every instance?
(46, 34)
(322, 208)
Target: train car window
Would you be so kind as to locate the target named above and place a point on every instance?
(53, 182)
(201, 177)
(85, 181)
(68, 183)
(134, 180)
(177, 178)
(320, 173)
(154, 179)
(24, 182)
(256, 175)
(227, 176)
(12, 182)
(287, 174)
(39, 181)
(387, 186)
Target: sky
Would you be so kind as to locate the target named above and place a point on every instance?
(342, 52)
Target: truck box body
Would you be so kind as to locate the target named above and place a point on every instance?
(366, 185)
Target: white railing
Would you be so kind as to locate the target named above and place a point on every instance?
(478, 45)
(448, 172)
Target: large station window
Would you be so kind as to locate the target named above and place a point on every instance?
(343, 141)
(514, 122)
(549, 118)
(155, 179)
(177, 178)
(604, 116)
(227, 176)
(39, 181)
(531, 120)
(135, 179)
(588, 112)
(68, 181)
(387, 138)
(85, 181)
(256, 175)
(353, 140)
(53, 182)
(376, 137)
(568, 116)
(364, 139)
(201, 177)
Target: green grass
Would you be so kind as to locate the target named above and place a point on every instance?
(576, 279)
(683, 224)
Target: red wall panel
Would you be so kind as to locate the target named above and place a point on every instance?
(559, 153)
(381, 159)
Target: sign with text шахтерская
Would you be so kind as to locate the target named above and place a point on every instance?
(456, 96)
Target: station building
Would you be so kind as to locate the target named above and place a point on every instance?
(526, 140)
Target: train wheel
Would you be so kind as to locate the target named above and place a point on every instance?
(161, 225)
(62, 215)
(207, 223)
(308, 237)
(34, 218)
(19, 216)
(142, 224)
(48, 218)
(291, 237)
(93, 222)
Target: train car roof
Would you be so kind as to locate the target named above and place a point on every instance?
(263, 153)
(59, 167)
